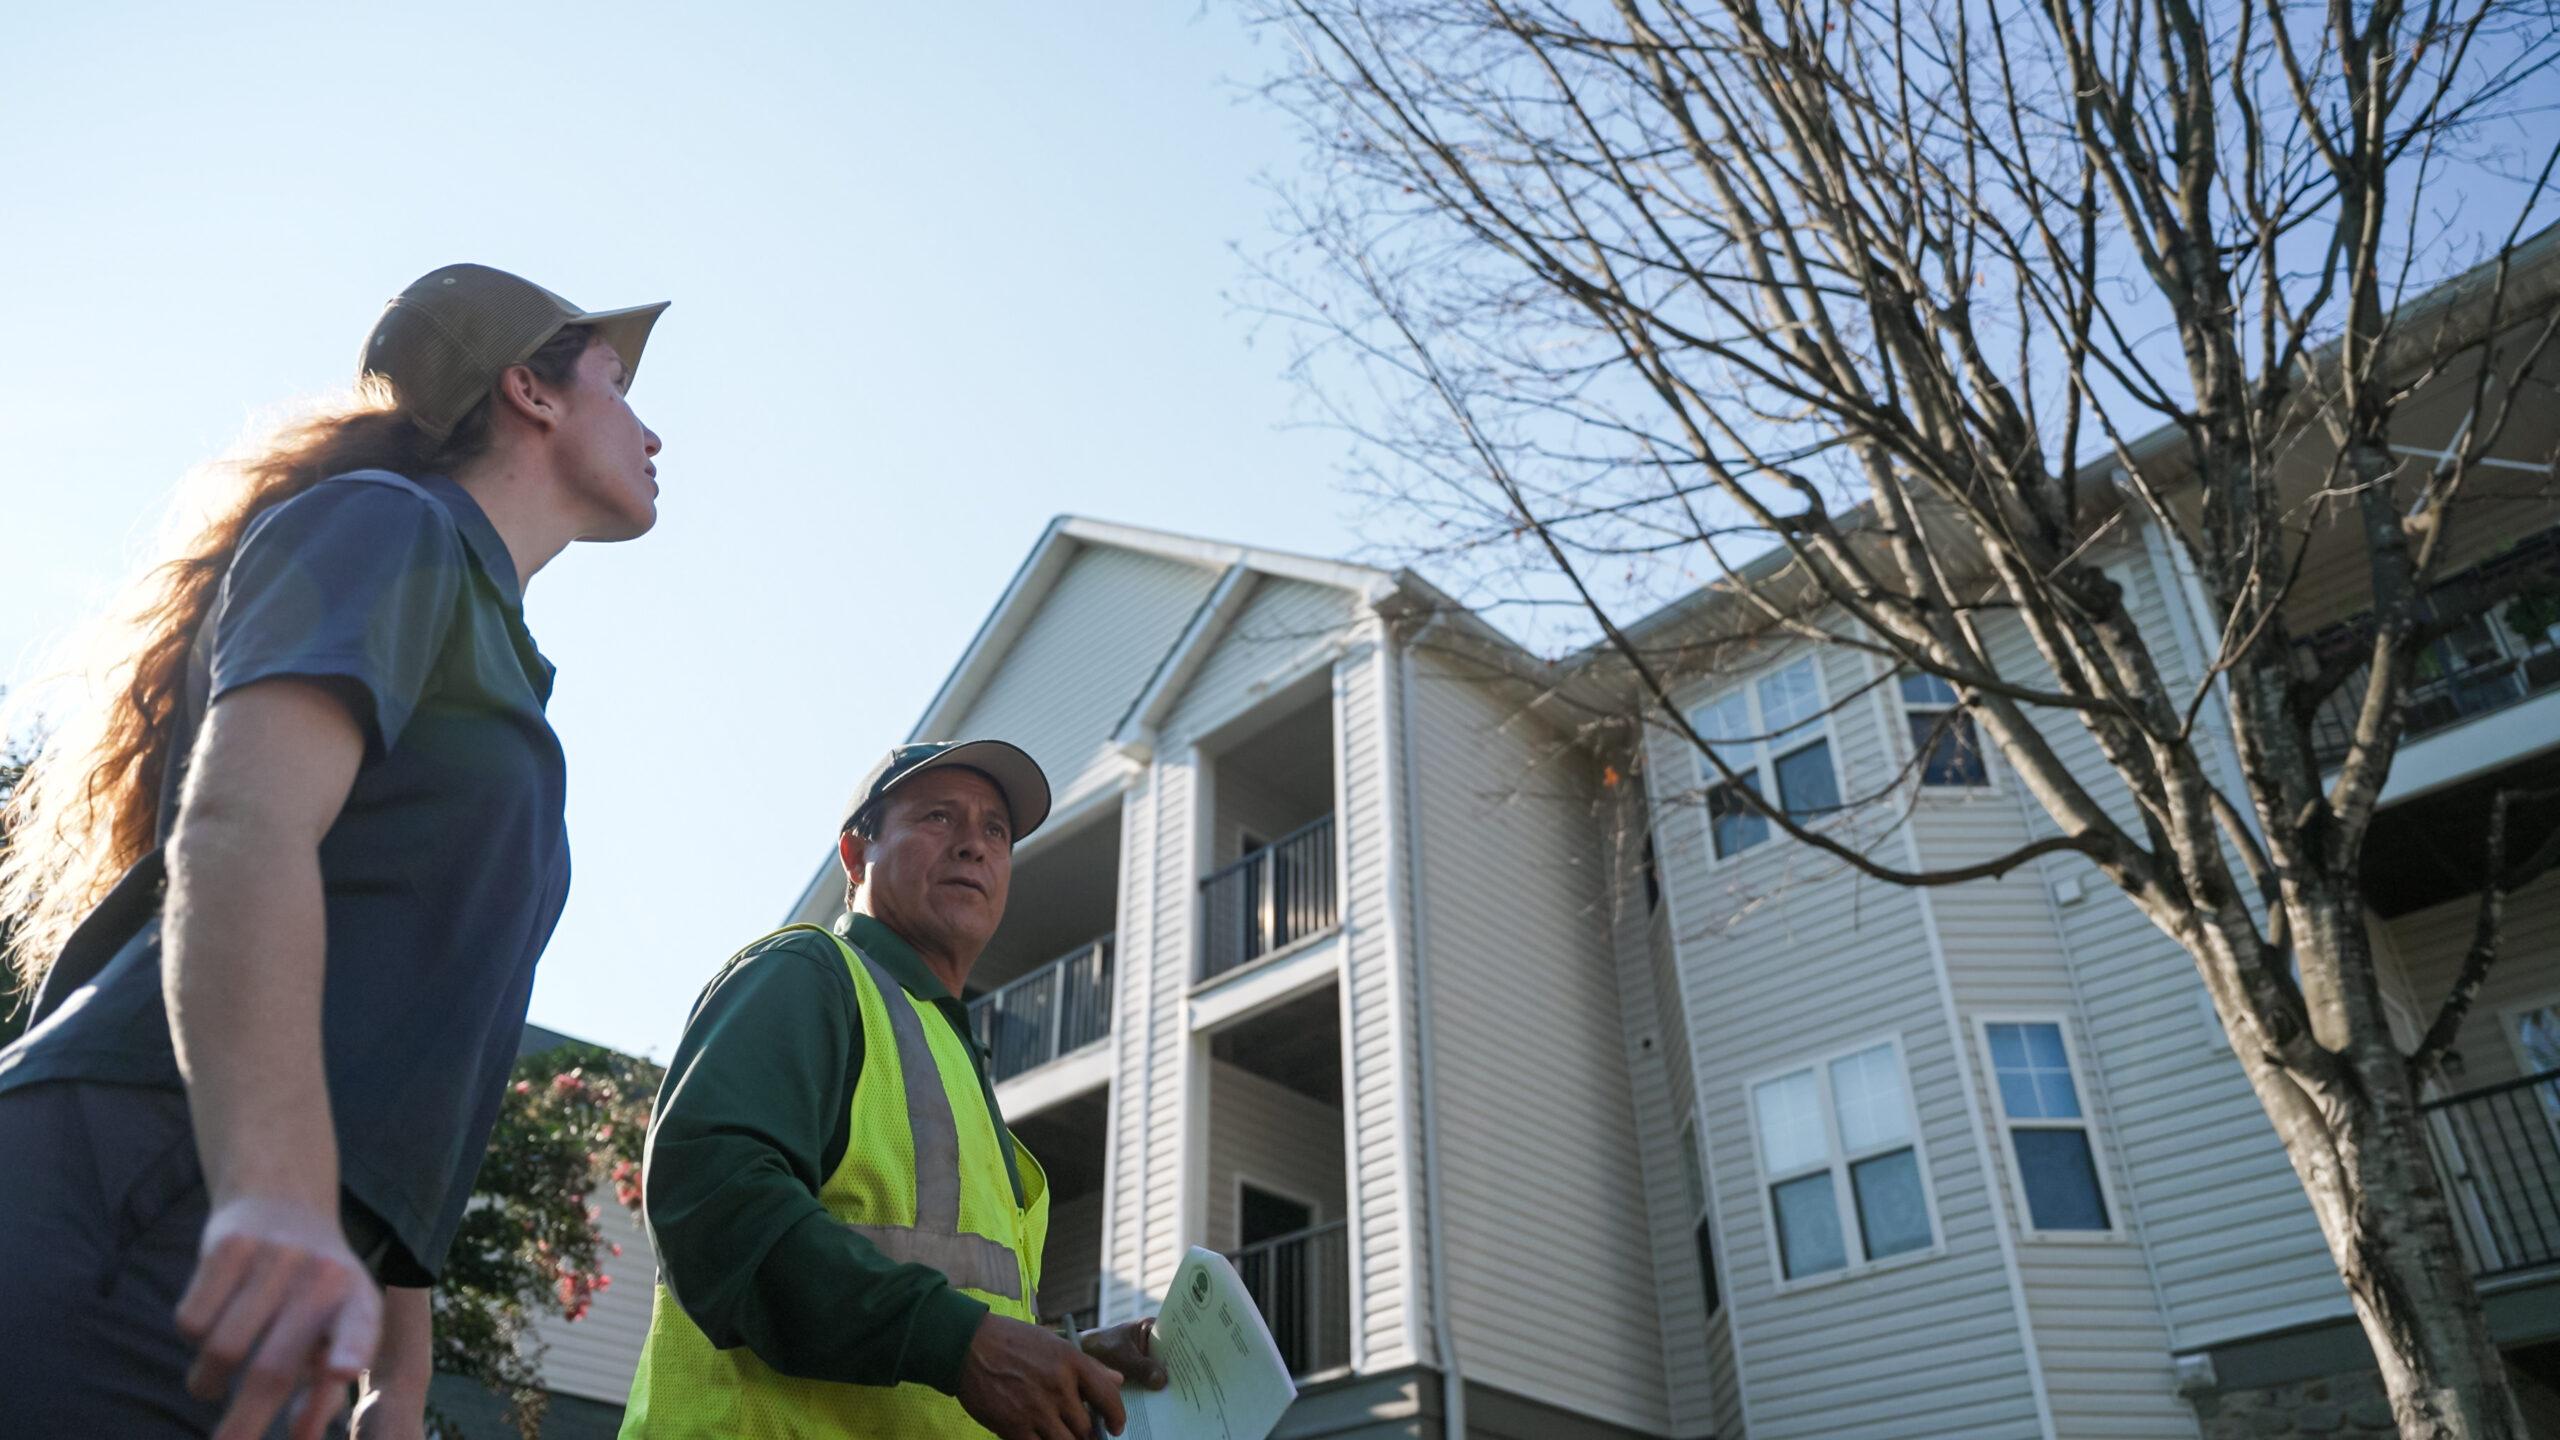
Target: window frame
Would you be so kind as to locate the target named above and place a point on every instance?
(1763, 770)
(1909, 744)
(1839, 1160)
(2508, 1014)
(2100, 1153)
(1244, 1182)
(1691, 1142)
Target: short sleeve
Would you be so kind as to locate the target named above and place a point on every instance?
(352, 581)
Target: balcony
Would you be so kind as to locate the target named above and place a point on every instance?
(2506, 654)
(2498, 1149)
(1301, 1283)
(1052, 1012)
(1269, 900)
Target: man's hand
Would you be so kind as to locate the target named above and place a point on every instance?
(1027, 1383)
(1130, 1348)
(279, 1301)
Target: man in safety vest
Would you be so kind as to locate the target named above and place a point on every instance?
(848, 1237)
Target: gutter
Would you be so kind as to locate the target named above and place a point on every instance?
(1453, 1386)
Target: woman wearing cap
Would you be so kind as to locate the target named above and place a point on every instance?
(322, 718)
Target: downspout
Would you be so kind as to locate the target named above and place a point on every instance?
(1453, 1386)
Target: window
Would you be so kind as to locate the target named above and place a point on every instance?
(1693, 1168)
(1942, 733)
(2538, 1037)
(1772, 735)
(1839, 1155)
(2048, 1130)
(2535, 1029)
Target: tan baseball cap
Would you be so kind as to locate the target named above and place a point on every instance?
(444, 341)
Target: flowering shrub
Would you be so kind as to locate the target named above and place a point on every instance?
(574, 1118)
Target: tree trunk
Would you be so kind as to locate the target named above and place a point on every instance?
(2370, 1171)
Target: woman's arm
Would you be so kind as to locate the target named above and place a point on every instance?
(278, 1300)
(394, 1405)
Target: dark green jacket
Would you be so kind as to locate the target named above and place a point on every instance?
(754, 1115)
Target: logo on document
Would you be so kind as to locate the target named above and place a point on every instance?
(1200, 1287)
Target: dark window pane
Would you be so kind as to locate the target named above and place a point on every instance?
(1949, 754)
(1262, 1216)
(2061, 1178)
(1707, 1268)
(1809, 1225)
(1891, 1210)
(1805, 786)
(1737, 826)
(1927, 690)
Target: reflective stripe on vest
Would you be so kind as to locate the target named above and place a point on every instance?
(686, 1389)
(970, 1261)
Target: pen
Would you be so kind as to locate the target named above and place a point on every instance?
(1093, 1417)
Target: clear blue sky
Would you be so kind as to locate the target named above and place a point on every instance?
(939, 273)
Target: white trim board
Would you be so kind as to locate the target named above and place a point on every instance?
(1055, 1083)
(1227, 1000)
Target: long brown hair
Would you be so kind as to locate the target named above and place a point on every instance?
(88, 806)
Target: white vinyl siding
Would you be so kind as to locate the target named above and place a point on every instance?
(1384, 1149)
(2192, 1171)
(2233, 1247)
(1142, 1235)
(1284, 627)
(593, 1357)
(1693, 1171)
(1071, 1263)
(1778, 958)
(1273, 1138)
(1099, 634)
(1542, 1186)
(2430, 945)
(1697, 1352)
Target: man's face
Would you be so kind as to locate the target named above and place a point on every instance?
(944, 860)
(605, 451)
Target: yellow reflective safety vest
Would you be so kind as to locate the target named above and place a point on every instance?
(923, 1178)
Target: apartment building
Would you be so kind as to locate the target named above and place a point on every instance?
(1525, 1081)
(1541, 1093)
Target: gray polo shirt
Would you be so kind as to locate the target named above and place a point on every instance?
(443, 875)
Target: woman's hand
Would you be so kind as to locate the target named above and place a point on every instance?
(394, 1403)
(379, 1418)
(280, 1304)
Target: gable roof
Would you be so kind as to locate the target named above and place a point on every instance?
(1068, 536)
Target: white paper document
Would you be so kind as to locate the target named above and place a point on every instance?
(1229, 1382)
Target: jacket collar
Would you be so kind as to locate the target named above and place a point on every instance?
(891, 952)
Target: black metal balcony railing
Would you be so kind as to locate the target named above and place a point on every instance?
(1301, 1283)
(2499, 1150)
(2486, 664)
(1055, 1010)
(1271, 898)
